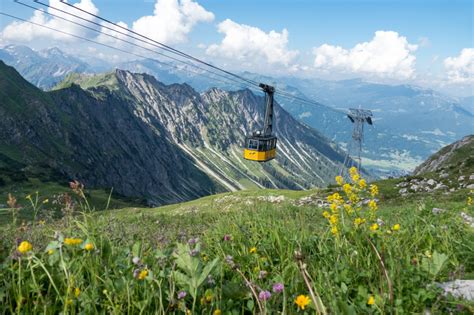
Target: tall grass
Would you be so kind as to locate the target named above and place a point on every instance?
(263, 259)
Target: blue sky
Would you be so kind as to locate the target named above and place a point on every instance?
(438, 29)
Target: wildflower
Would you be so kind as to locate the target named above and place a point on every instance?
(136, 260)
(302, 301)
(428, 254)
(194, 252)
(72, 241)
(355, 178)
(253, 250)
(339, 180)
(353, 170)
(210, 280)
(373, 205)
(278, 287)
(333, 219)
(45, 201)
(28, 197)
(374, 227)
(204, 257)
(77, 291)
(11, 201)
(396, 227)
(89, 246)
(469, 201)
(25, 247)
(192, 241)
(333, 207)
(227, 237)
(362, 183)
(262, 274)
(374, 190)
(143, 274)
(208, 297)
(264, 295)
(326, 214)
(348, 208)
(50, 251)
(371, 300)
(334, 230)
(359, 221)
(181, 295)
(217, 312)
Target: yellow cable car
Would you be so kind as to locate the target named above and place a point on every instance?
(260, 146)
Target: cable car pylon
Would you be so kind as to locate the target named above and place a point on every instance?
(358, 117)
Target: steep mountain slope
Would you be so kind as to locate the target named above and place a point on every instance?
(456, 158)
(166, 143)
(71, 134)
(211, 126)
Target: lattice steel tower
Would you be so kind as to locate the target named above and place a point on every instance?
(358, 117)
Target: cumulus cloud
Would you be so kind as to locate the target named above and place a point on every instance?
(460, 69)
(172, 20)
(387, 55)
(250, 45)
(20, 31)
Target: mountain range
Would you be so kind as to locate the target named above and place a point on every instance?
(163, 143)
(411, 123)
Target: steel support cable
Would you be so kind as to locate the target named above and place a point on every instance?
(169, 48)
(106, 45)
(123, 40)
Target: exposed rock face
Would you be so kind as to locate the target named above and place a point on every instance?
(456, 157)
(166, 143)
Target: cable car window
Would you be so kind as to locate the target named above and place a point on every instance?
(253, 144)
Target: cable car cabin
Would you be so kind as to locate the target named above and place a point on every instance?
(260, 148)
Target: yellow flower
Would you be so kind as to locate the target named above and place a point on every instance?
(72, 241)
(371, 300)
(347, 188)
(326, 214)
(353, 171)
(355, 178)
(374, 227)
(217, 312)
(348, 208)
(428, 254)
(339, 180)
(25, 247)
(253, 250)
(396, 227)
(469, 201)
(45, 201)
(374, 190)
(333, 207)
(42, 222)
(302, 301)
(373, 205)
(359, 221)
(89, 246)
(77, 291)
(50, 251)
(143, 274)
(333, 219)
(334, 230)
(362, 183)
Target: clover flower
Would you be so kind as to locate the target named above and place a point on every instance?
(264, 295)
(181, 295)
(278, 287)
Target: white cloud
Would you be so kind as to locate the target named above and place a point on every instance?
(19, 31)
(250, 45)
(387, 55)
(460, 69)
(172, 20)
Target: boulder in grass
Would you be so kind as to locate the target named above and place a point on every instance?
(463, 289)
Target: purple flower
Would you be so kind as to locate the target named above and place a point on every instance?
(264, 295)
(181, 295)
(278, 287)
(227, 237)
(192, 241)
